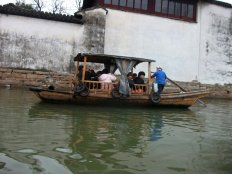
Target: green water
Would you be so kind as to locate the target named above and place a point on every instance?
(47, 138)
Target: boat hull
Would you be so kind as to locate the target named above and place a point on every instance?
(172, 100)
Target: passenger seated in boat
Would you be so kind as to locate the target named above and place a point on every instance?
(130, 80)
(140, 80)
(98, 74)
(90, 74)
(108, 78)
(80, 69)
(134, 75)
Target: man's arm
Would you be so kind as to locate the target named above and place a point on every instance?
(153, 75)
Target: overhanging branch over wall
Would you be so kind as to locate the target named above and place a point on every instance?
(14, 10)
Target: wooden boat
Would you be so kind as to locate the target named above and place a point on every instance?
(117, 93)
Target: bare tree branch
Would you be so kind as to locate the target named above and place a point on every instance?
(78, 4)
(23, 5)
(39, 4)
(58, 6)
(19, 1)
(54, 6)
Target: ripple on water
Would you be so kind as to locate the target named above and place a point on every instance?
(76, 156)
(49, 165)
(64, 150)
(29, 151)
(9, 165)
(86, 139)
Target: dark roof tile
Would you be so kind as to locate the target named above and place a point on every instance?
(14, 10)
(219, 3)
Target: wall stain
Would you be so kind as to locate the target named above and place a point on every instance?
(221, 28)
(221, 41)
(20, 51)
(94, 33)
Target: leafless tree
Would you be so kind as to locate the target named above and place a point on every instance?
(23, 5)
(19, 1)
(78, 4)
(39, 4)
(58, 6)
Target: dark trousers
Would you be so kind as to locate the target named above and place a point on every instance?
(160, 88)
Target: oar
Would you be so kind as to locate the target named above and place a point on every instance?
(184, 90)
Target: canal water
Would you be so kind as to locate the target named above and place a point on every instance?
(47, 138)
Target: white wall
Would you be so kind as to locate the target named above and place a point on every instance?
(36, 43)
(178, 46)
(186, 51)
(215, 63)
(173, 44)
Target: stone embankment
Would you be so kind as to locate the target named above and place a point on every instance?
(27, 78)
(10, 77)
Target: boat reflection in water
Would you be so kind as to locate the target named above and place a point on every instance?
(53, 138)
(98, 139)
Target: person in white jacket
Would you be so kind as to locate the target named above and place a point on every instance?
(108, 78)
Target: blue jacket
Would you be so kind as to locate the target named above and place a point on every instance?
(160, 77)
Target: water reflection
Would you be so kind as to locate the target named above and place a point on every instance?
(12, 166)
(51, 138)
(103, 138)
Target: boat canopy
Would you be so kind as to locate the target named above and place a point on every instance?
(107, 59)
(124, 64)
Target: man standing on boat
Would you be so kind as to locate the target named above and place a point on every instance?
(161, 78)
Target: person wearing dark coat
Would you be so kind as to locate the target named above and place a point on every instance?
(140, 78)
(80, 69)
(134, 75)
(90, 74)
(130, 80)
